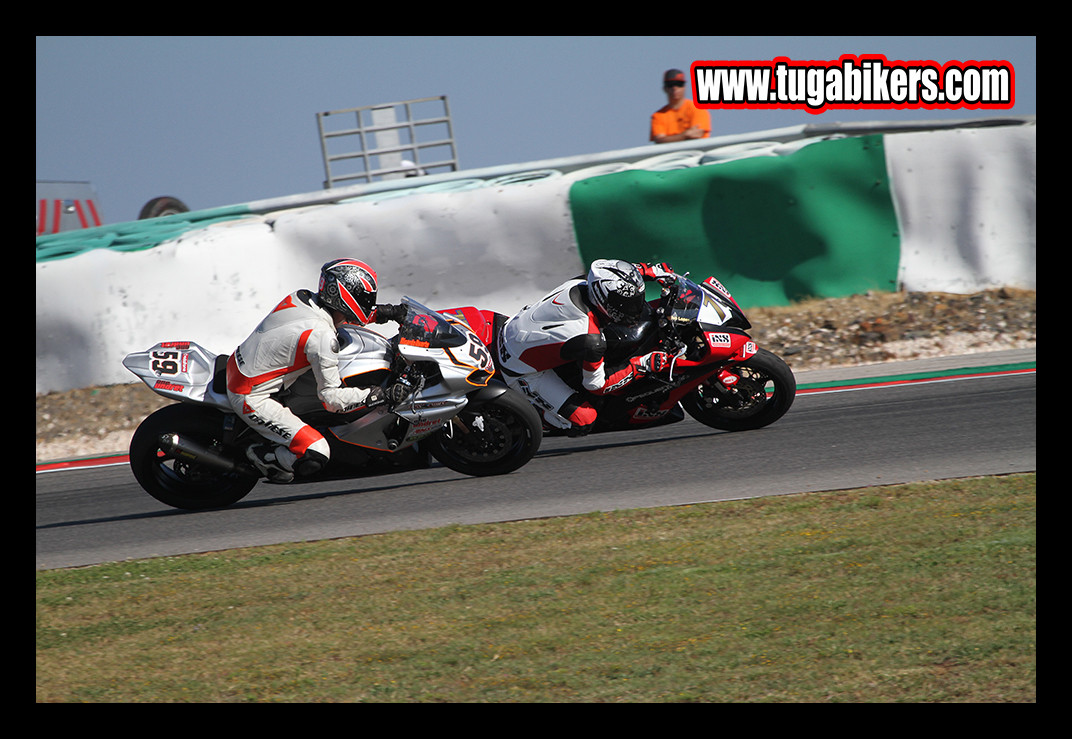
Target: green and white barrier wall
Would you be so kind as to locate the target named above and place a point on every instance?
(777, 217)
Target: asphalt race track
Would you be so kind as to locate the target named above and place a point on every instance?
(979, 424)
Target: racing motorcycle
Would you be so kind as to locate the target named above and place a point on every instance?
(718, 375)
(191, 455)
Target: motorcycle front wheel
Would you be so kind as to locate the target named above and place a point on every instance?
(177, 482)
(763, 393)
(494, 437)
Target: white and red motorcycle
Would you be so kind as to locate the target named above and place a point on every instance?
(191, 454)
(719, 376)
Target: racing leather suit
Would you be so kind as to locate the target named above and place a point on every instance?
(561, 328)
(297, 336)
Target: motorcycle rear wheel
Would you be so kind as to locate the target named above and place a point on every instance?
(765, 391)
(178, 483)
(511, 436)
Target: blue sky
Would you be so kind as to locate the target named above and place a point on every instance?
(221, 120)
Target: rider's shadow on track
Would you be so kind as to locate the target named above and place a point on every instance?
(248, 504)
(579, 446)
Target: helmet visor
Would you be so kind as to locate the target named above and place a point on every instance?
(625, 307)
(359, 305)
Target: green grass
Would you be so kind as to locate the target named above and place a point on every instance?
(912, 593)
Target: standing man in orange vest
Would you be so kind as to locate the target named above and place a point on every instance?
(679, 119)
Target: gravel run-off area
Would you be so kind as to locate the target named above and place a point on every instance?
(816, 334)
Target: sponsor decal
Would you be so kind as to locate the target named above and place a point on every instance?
(533, 396)
(719, 340)
(661, 389)
(270, 425)
(715, 284)
(167, 385)
(429, 404)
(643, 413)
(424, 427)
(727, 378)
(620, 383)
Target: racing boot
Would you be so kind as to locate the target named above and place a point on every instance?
(267, 459)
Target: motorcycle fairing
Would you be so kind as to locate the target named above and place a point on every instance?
(470, 360)
(383, 430)
(182, 370)
(732, 347)
(424, 336)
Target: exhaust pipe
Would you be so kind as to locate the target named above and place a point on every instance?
(191, 451)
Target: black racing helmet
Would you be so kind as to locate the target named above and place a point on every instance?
(349, 286)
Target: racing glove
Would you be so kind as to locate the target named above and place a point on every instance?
(651, 363)
(392, 394)
(388, 312)
(663, 273)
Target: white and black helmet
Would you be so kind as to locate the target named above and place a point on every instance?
(349, 286)
(616, 289)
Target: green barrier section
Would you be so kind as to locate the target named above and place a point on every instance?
(818, 222)
(132, 236)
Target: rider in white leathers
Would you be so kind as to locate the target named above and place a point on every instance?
(300, 334)
(566, 326)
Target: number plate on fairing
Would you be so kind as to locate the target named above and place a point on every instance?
(179, 369)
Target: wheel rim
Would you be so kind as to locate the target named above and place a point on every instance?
(502, 434)
(748, 396)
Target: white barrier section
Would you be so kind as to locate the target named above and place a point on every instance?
(494, 247)
(95, 308)
(965, 202)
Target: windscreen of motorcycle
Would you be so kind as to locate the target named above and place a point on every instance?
(695, 304)
(424, 327)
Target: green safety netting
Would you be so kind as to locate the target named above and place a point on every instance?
(134, 235)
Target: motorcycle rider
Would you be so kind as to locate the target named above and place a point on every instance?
(566, 326)
(300, 334)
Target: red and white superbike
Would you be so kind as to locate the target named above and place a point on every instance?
(718, 375)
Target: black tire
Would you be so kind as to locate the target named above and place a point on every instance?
(763, 394)
(178, 483)
(162, 206)
(511, 437)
